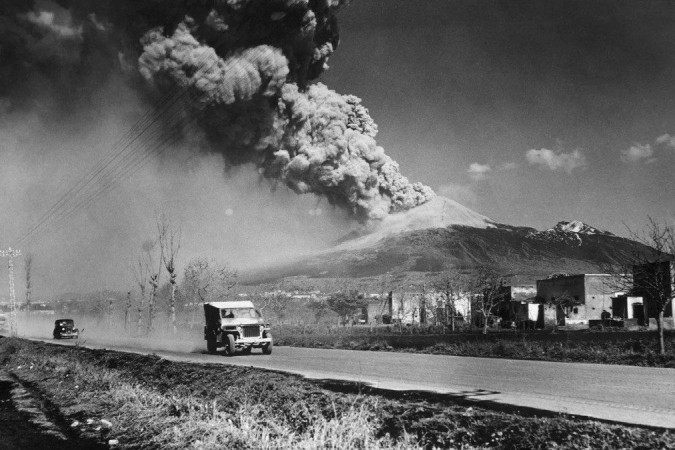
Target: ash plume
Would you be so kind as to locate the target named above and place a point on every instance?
(249, 67)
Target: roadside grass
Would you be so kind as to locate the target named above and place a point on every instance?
(154, 403)
(637, 348)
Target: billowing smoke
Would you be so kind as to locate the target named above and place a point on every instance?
(248, 68)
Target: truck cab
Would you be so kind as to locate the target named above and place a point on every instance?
(236, 326)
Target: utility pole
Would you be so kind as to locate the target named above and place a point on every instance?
(11, 254)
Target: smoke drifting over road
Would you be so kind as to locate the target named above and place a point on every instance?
(248, 67)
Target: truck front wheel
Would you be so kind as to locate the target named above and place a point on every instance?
(229, 345)
(267, 349)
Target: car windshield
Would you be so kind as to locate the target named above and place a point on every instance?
(64, 323)
(239, 313)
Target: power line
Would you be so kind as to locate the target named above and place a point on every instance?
(75, 188)
(100, 170)
(135, 165)
(91, 178)
(110, 167)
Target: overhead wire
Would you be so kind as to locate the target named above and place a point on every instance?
(115, 166)
(152, 117)
(131, 169)
(87, 177)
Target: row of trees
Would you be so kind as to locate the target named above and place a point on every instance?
(484, 286)
(203, 280)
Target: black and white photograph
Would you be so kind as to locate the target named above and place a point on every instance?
(337, 224)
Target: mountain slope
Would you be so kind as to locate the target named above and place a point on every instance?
(445, 237)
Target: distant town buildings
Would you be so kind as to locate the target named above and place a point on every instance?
(577, 300)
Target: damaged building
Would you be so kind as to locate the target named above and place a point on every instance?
(578, 299)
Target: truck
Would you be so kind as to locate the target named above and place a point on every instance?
(236, 326)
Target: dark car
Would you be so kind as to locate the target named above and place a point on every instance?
(65, 329)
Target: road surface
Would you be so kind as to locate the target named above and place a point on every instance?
(628, 394)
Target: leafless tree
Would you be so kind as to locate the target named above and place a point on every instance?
(196, 283)
(276, 303)
(110, 310)
(487, 287)
(141, 272)
(649, 271)
(28, 260)
(150, 247)
(346, 304)
(565, 302)
(205, 281)
(127, 311)
(451, 285)
(170, 239)
(422, 304)
(226, 279)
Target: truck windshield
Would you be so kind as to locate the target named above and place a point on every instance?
(239, 313)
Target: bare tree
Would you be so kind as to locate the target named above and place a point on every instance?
(205, 281)
(226, 279)
(649, 272)
(487, 286)
(110, 310)
(564, 302)
(150, 246)
(127, 311)
(141, 271)
(451, 284)
(422, 304)
(28, 260)
(276, 303)
(346, 304)
(170, 238)
(196, 283)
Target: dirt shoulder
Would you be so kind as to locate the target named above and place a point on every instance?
(27, 422)
(151, 403)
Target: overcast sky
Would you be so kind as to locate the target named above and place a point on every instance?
(529, 114)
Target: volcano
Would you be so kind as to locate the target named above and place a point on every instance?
(444, 235)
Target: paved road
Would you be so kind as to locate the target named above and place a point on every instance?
(636, 395)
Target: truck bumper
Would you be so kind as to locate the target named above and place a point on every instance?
(252, 342)
(67, 335)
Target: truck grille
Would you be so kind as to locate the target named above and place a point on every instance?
(251, 331)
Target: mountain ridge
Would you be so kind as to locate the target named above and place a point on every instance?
(418, 245)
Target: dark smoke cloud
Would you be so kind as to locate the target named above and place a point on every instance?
(248, 66)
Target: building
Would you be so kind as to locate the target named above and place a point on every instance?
(518, 304)
(655, 282)
(583, 297)
(423, 308)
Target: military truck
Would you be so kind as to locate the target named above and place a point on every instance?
(236, 326)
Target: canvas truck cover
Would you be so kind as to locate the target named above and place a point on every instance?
(212, 311)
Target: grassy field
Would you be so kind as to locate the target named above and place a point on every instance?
(639, 348)
(154, 403)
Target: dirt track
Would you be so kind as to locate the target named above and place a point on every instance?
(633, 395)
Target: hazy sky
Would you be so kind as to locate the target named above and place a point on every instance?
(529, 113)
